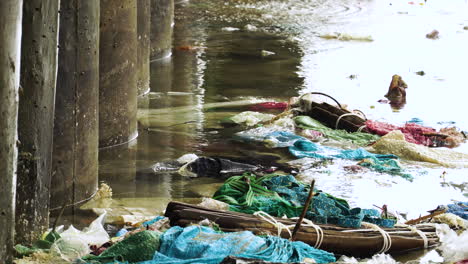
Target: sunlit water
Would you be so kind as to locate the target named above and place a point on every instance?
(226, 65)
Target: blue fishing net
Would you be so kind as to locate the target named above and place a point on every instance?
(459, 208)
(203, 245)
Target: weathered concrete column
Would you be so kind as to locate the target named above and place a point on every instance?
(144, 24)
(10, 43)
(36, 118)
(118, 72)
(75, 161)
(162, 19)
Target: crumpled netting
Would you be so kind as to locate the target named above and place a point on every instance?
(357, 138)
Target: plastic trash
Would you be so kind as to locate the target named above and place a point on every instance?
(250, 118)
(281, 106)
(280, 195)
(215, 167)
(347, 37)
(459, 208)
(454, 246)
(395, 143)
(121, 232)
(201, 244)
(214, 204)
(357, 138)
(94, 235)
(70, 248)
(140, 246)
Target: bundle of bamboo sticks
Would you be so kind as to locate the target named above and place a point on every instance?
(363, 242)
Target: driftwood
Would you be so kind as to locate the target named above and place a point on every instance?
(339, 240)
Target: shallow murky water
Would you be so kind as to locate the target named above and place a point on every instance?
(225, 64)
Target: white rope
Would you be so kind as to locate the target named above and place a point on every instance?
(343, 115)
(318, 231)
(280, 226)
(387, 240)
(361, 128)
(419, 232)
(270, 219)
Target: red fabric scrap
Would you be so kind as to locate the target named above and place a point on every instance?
(269, 106)
(414, 133)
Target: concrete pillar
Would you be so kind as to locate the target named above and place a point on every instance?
(10, 39)
(118, 72)
(162, 19)
(75, 160)
(36, 118)
(143, 24)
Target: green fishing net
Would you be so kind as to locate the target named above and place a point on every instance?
(280, 195)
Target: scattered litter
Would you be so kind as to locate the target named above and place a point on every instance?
(280, 195)
(250, 118)
(459, 208)
(41, 257)
(139, 246)
(397, 92)
(70, 248)
(214, 204)
(395, 143)
(102, 198)
(133, 220)
(434, 34)
(454, 247)
(202, 244)
(452, 220)
(249, 27)
(346, 37)
(281, 106)
(267, 53)
(229, 29)
(420, 73)
(215, 168)
(418, 134)
(357, 138)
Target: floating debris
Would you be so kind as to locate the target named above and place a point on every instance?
(420, 73)
(230, 29)
(249, 27)
(267, 53)
(347, 37)
(434, 34)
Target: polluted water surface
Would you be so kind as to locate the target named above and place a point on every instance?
(221, 71)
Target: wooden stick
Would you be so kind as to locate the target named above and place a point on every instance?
(417, 220)
(304, 211)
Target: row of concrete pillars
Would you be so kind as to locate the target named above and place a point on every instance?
(73, 100)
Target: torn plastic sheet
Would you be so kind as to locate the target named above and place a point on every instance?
(395, 143)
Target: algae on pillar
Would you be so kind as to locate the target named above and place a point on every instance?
(162, 19)
(36, 118)
(118, 72)
(10, 39)
(75, 156)
(144, 24)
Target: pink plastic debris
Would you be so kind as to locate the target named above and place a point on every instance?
(269, 106)
(414, 133)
